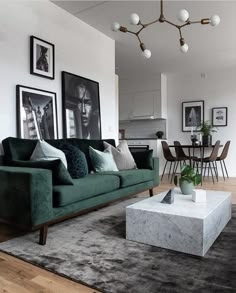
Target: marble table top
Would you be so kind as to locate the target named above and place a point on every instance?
(183, 204)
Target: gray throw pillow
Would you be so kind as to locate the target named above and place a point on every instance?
(122, 156)
(45, 152)
(102, 161)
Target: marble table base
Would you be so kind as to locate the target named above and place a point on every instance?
(184, 226)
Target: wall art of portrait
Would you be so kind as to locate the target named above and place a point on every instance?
(220, 116)
(192, 115)
(36, 113)
(42, 58)
(81, 107)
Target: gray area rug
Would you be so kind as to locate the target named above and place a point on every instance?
(92, 249)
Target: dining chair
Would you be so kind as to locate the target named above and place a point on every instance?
(169, 159)
(222, 158)
(210, 162)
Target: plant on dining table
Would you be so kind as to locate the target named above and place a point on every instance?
(206, 129)
(188, 179)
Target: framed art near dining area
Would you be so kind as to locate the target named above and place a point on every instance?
(81, 107)
(36, 113)
(42, 58)
(192, 115)
(219, 116)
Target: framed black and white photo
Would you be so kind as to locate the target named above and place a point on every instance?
(42, 58)
(81, 107)
(219, 116)
(36, 113)
(192, 115)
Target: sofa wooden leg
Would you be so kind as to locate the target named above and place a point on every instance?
(151, 192)
(43, 235)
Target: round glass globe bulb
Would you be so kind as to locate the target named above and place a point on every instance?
(115, 26)
(183, 15)
(184, 48)
(134, 19)
(215, 20)
(147, 53)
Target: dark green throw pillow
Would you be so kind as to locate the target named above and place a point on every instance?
(60, 175)
(143, 159)
(76, 161)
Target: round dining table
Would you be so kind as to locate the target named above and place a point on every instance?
(193, 148)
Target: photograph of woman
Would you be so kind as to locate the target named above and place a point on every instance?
(81, 107)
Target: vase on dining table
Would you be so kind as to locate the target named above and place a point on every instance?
(207, 140)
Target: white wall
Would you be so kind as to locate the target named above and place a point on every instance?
(217, 89)
(79, 48)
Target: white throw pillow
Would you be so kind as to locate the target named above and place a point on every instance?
(44, 151)
(122, 156)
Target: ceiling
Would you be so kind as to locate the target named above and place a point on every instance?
(210, 48)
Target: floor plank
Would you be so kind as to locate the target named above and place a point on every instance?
(17, 276)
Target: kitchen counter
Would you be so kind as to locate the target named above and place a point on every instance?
(144, 138)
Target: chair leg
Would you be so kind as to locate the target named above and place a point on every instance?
(170, 170)
(211, 172)
(216, 170)
(164, 171)
(174, 170)
(151, 192)
(222, 169)
(43, 235)
(225, 169)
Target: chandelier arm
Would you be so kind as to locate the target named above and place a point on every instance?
(180, 33)
(171, 23)
(150, 23)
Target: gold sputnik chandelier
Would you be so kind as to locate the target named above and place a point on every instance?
(183, 16)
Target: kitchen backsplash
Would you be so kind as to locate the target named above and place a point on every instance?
(143, 128)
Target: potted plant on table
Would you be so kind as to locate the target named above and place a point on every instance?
(159, 134)
(206, 129)
(188, 179)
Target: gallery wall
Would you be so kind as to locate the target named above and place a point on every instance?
(79, 49)
(217, 89)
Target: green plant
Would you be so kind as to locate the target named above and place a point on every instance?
(159, 133)
(188, 174)
(206, 128)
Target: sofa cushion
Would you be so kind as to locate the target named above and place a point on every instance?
(83, 188)
(102, 161)
(144, 159)
(122, 156)
(132, 177)
(60, 175)
(76, 160)
(45, 152)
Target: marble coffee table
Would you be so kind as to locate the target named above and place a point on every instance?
(183, 226)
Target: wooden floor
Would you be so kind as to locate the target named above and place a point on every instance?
(17, 276)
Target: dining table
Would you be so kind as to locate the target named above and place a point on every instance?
(192, 150)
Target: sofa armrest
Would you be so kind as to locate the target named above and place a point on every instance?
(25, 195)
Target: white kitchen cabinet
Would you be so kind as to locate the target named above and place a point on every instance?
(143, 100)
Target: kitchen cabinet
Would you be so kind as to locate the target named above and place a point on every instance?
(145, 101)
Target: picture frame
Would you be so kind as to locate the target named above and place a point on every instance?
(220, 116)
(42, 58)
(36, 113)
(192, 115)
(121, 133)
(80, 107)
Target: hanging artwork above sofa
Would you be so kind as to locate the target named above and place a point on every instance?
(81, 107)
(42, 58)
(36, 113)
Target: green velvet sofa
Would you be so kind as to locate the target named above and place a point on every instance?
(29, 199)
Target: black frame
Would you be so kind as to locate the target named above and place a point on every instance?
(203, 114)
(18, 109)
(64, 102)
(226, 118)
(34, 39)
